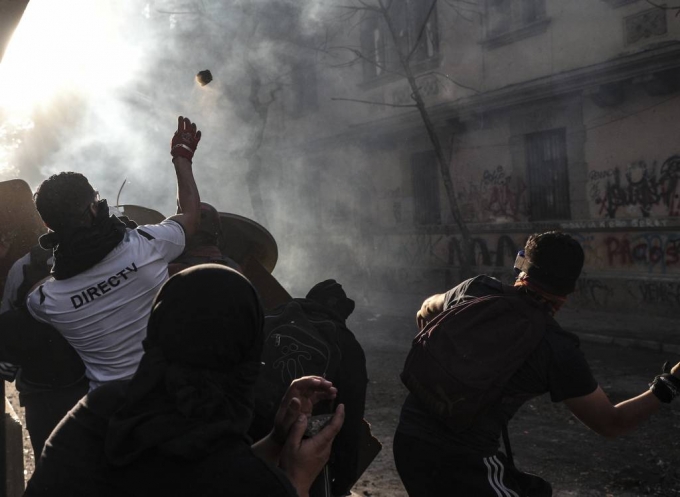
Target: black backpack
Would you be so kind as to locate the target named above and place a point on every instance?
(460, 362)
(301, 339)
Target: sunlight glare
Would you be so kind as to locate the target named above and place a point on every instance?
(67, 46)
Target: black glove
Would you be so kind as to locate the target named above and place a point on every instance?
(665, 386)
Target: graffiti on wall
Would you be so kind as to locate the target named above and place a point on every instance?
(497, 195)
(593, 291)
(502, 254)
(664, 293)
(653, 251)
(642, 189)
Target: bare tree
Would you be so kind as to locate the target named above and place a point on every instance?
(404, 53)
(256, 82)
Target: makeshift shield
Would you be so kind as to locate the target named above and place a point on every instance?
(255, 250)
(20, 224)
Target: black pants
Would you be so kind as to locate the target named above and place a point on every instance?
(428, 471)
(45, 408)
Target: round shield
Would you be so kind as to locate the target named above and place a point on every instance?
(243, 238)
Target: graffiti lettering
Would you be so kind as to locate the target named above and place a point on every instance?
(655, 292)
(498, 195)
(598, 175)
(594, 291)
(639, 186)
(652, 250)
(480, 255)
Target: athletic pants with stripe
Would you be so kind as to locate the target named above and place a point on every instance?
(428, 471)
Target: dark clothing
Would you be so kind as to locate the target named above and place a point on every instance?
(193, 387)
(46, 359)
(351, 382)
(52, 376)
(429, 471)
(178, 427)
(79, 250)
(556, 366)
(324, 312)
(45, 408)
(74, 462)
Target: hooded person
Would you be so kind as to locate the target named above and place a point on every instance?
(179, 426)
(437, 453)
(351, 381)
(204, 246)
(310, 336)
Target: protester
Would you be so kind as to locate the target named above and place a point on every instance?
(104, 275)
(204, 246)
(51, 379)
(310, 336)
(351, 381)
(179, 426)
(436, 456)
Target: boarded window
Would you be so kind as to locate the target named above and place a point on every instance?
(415, 30)
(548, 176)
(425, 180)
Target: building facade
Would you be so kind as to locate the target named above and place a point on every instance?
(555, 115)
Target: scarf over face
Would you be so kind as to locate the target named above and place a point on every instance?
(193, 389)
(78, 250)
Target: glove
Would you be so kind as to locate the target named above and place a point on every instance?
(665, 386)
(185, 139)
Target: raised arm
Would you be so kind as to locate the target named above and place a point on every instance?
(597, 412)
(183, 146)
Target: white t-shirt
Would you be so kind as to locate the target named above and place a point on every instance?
(103, 311)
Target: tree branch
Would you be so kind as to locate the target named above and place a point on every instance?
(410, 106)
(360, 56)
(437, 73)
(664, 7)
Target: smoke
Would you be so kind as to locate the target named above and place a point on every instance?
(96, 87)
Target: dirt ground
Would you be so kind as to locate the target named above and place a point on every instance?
(546, 439)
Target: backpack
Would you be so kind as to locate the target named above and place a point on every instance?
(301, 339)
(460, 362)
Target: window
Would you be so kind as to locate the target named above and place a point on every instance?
(425, 181)
(415, 30)
(548, 176)
(506, 16)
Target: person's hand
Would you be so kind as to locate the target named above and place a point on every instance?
(185, 140)
(420, 321)
(303, 459)
(431, 307)
(300, 398)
